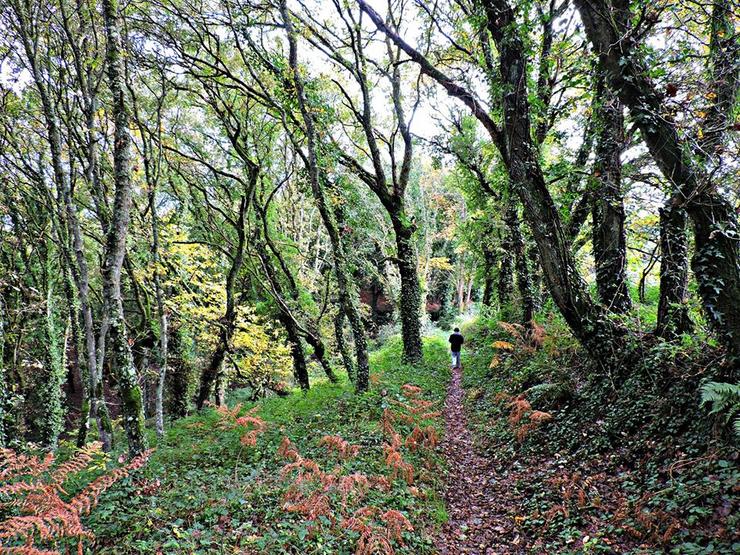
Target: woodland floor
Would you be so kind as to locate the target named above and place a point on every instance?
(479, 503)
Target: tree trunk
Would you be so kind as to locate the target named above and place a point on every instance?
(121, 357)
(4, 388)
(347, 292)
(609, 235)
(228, 325)
(523, 277)
(342, 347)
(319, 351)
(74, 370)
(715, 261)
(533, 257)
(162, 313)
(489, 263)
(673, 313)
(410, 300)
(47, 394)
(506, 271)
(179, 377)
(300, 368)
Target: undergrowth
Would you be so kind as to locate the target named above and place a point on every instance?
(322, 472)
(630, 466)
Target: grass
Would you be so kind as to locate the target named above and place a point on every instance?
(204, 492)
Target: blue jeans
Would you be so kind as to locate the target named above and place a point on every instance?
(455, 359)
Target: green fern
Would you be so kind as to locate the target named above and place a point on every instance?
(725, 400)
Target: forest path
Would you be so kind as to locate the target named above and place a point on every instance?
(480, 521)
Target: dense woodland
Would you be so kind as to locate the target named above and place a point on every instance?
(285, 206)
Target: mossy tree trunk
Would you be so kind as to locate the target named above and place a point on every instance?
(4, 386)
(609, 234)
(505, 282)
(489, 265)
(342, 346)
(716, 260)
(410, 298)
(120, 356)
(523, 275)
(46, 398)
(673, 313)
(348, 295)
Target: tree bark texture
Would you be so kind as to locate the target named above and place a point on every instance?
(609, 234)
(716, 259)
(673, 313)
(121, 356)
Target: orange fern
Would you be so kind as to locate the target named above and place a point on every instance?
(340, 446)
(251, 424)
(44, 515)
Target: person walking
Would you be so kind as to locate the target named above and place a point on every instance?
(456, 341)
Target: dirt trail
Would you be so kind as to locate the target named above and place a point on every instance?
(479, 521)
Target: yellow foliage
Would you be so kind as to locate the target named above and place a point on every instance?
(259, 350)
(503, 345)
(440, 263)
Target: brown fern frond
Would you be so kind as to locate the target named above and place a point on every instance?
(76, 464)
(253, 425)
(340, 446)
(519, 408)
(84, 501)
(13, 465)
(287, 450)
(396, 523)
(371, 543)
(539, 416)
(411, 390)
(21, 487)
(25, 550)
(356, 484)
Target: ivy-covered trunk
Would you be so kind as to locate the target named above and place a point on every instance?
(319, 351)
(410, 299)
(179, 375)
(342, 346)
(300, 367)
(489, 267)
(523, 276)
(121, 356)
(47, 394)
(505, 283)
(673, 313)
(4, 388)
(609, 234)
(716, 260)
(535, 272)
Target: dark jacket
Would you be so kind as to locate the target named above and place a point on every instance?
(456, 341)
